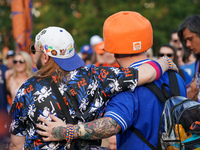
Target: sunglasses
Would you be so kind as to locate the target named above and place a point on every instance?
(18, 61)
(32, 49)
(179, 48)
(168, 55)
(175, 41)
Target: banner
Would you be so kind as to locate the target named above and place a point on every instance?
(22, 23)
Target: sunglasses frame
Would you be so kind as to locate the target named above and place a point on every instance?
(18, 61)
(32, 49)
(168, 55)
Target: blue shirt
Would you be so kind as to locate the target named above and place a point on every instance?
(143, 110)
(189, 68)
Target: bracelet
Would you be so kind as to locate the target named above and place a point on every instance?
(170, 62)
(69, 133)
(157, 68)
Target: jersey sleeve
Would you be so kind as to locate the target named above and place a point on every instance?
(123, 109)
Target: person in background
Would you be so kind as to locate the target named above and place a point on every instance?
(186, 59)
(112, 143)
(169, 51)
(85, 90)
(4, 121)
(128, 35)
(149, 53)
(174, 39)
(95, 40)
(189, 34)
(109, 59)
(9, 59)
(86, 54)
(22, 70)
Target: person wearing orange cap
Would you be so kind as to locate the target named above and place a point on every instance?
(95, 42)
(127, 35)
(109, 59)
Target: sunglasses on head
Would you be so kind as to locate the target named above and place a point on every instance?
(32, 49)
(168, 55)
(20, 61)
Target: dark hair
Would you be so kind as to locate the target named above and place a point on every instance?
(193, 24)
(174, 52)
(173, 31)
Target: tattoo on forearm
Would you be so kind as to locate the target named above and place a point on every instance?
(97, 129)
(59, 132)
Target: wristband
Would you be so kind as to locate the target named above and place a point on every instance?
(69, 133)
(170, 62)
(157, 68)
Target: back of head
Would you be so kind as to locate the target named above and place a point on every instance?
(127, 32)
(59, 44)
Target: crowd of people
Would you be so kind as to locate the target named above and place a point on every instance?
(96, 84)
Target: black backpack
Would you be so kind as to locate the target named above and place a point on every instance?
(179, 127)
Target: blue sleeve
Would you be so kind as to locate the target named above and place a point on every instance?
(121, 108)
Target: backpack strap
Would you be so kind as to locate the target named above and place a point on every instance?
(65, 111)
(173, 83)
(60, 99)
(163, 95)
(143, 138)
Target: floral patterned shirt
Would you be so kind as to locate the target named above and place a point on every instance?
(86, 96)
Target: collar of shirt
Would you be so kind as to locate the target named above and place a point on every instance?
(138, 63)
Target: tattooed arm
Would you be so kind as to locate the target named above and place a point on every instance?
(97, 129)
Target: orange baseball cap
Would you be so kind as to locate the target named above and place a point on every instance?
(127, 32)
(99, 49)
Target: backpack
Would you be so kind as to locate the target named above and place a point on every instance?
(179, 127)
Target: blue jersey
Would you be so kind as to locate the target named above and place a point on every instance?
(141, 109)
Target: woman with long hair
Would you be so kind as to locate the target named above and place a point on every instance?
(21, 71)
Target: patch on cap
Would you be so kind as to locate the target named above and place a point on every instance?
(137, 45)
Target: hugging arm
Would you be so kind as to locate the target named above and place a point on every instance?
(96, 129)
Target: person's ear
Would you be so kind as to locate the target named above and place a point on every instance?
(46, 58)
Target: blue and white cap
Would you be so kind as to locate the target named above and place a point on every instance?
(59, 44)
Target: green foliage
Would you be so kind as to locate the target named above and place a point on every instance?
(6, 38)
(85, 18)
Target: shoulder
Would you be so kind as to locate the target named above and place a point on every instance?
(8, 74)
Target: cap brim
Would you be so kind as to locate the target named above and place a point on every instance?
(69, 64)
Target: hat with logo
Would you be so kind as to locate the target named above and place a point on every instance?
(86, 49)
(95, 39)
(59, 44)
(10, 53)
(127, 32)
